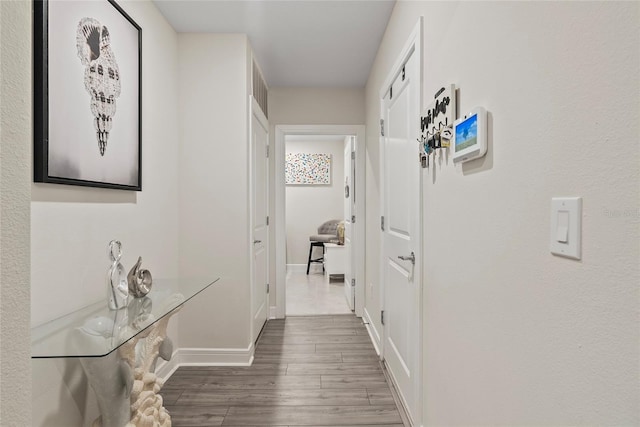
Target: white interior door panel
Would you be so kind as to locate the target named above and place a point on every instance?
(260, 208)
(402, 234)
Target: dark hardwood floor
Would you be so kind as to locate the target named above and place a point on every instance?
(308, 371)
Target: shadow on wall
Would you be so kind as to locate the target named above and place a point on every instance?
(77, 194)
(76, 404)
(485, 162)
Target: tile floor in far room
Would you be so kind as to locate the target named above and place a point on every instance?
(314, 294)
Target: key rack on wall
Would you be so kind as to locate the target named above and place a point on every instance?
(441, 128)
(436, 123)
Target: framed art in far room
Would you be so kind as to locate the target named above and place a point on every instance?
(307, 169)
(87, 95)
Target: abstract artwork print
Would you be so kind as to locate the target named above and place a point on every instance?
(303, 168)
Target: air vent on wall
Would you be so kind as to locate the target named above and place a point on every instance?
(260, 89)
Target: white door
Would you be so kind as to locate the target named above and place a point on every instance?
(402, 233)
(260, 231)
(349, 210)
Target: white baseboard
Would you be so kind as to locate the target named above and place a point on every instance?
(375, 336)
(216, 356)
(397, 396)
(205, 357)
(297, 268)
(373, 332)
(273, 312)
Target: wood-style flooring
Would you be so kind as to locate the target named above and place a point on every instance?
(307, 371)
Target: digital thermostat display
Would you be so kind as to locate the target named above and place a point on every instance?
(470, 136)
(467, 133)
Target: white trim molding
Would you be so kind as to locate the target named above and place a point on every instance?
(373, 332)
(205, 357)
(281, 131)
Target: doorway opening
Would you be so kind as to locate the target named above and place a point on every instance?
(317, 177)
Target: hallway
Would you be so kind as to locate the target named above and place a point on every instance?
(308, 371)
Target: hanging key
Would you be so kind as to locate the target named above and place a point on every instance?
(423, 160)
(446, 134)
(437, 140)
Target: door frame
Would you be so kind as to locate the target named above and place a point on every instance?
(281, 131)
(349, 164)
(413, 45)
(256, 110)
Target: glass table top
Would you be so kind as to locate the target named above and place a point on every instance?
(96, 331)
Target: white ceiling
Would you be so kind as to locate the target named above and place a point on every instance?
(308, 43)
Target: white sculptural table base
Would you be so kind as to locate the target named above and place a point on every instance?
(126, 387)
(119, 348)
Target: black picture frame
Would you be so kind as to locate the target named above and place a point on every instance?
(65, 109)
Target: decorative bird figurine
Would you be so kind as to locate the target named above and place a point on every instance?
(139, 279)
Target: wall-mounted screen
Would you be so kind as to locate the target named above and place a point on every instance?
(470, 136)
(467, 133)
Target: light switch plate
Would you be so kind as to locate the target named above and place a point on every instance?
(566, 227)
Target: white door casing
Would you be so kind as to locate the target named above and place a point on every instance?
(401, 199)
(259, 132)
(358, 246)
(349, 210)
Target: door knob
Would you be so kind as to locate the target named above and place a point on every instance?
(411, 258)
(257, 241)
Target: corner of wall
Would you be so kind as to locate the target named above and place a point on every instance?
(15, 196)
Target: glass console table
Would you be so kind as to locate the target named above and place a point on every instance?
(118, 350)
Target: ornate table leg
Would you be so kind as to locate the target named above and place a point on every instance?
(126, 387)
(111, 379)
(146, 403)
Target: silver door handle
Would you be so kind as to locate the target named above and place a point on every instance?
(411, 258)
(257, 241)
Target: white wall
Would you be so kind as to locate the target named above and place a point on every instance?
(307, 106)
(308, 206)
(512, 334)
(15, 195)
(214, 198)
(72, 226)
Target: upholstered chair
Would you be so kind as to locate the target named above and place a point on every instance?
(327, 232)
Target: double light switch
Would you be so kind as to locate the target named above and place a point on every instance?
(566, 227)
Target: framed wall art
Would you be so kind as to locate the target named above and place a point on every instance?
(87, 89)
(307, 169)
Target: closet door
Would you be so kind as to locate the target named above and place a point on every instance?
(260, 227)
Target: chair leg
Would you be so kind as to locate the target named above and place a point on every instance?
(309, 261)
